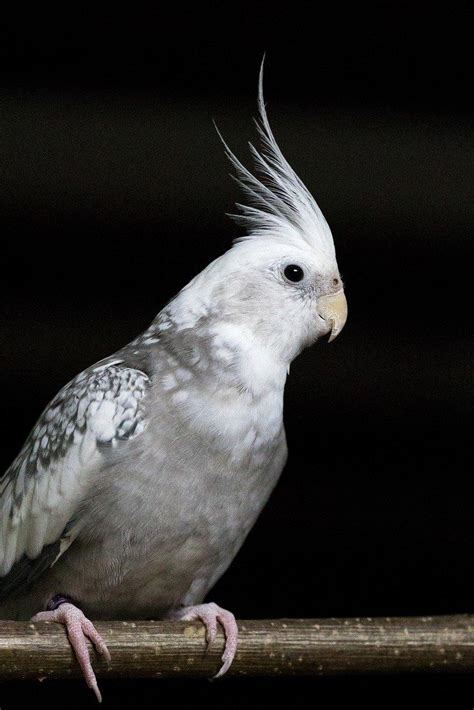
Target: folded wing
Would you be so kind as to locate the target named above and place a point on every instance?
(41, 492)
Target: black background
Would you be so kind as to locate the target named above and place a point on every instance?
(113, 189)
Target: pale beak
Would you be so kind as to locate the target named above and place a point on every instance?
(333, 309)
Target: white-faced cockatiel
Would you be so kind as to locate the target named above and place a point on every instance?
(144, 475)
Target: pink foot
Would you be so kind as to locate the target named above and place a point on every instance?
(78, 628)
(210, 614)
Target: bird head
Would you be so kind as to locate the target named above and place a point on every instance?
(279, 285)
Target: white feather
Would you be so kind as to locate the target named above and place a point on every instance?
(280, 208)
(48, 499)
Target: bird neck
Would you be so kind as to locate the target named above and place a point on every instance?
(226, 354)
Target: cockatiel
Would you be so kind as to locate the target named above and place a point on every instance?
(144, 475)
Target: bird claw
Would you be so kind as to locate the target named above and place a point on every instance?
(211, 614)
(78, 628)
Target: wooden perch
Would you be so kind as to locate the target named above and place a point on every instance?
(283, 647)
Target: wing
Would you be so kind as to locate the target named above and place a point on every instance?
(41, 492)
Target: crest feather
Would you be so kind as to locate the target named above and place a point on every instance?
(280, 207)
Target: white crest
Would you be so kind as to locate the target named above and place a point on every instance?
(280, 205)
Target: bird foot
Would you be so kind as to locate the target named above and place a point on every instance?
(211, 614)
(78, 628)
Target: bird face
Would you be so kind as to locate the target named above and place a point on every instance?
(285, 297)
(320, 305)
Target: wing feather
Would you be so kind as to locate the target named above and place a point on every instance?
(42, 490)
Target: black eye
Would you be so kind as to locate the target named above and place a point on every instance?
(293, 272)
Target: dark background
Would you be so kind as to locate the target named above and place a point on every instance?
(113, 189)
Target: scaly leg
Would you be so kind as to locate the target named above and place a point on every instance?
(210, 614)
(78, 628)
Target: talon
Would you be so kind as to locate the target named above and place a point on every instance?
(210, 615)
(78, 628)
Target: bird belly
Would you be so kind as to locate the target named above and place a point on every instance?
(160, 550)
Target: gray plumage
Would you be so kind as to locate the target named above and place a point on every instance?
(153, 508)
(144, 475)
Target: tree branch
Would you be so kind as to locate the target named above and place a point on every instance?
(283, 647)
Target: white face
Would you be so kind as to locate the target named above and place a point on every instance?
(275, 291)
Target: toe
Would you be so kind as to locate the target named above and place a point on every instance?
(211, 632)
(42, 616)
(93, 635)
(210, 614)
(228, 623)
(210, 622)
(81, 651)
(78, 627)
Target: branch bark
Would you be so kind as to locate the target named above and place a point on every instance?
(283, 647)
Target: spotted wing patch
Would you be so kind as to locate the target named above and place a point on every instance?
(42, 489)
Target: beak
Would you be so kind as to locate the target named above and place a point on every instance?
(333, 309)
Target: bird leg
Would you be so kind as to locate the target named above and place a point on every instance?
(210, 614)
(78, 627)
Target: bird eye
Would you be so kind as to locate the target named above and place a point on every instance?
(293, 273)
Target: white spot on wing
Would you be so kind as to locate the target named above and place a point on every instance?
(102, 424)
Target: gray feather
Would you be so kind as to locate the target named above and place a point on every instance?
(42, 488)
(25, 572)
